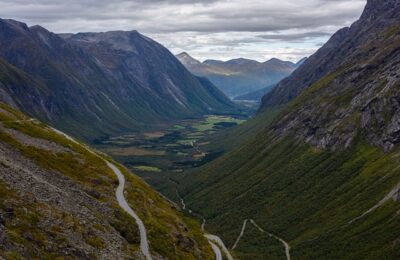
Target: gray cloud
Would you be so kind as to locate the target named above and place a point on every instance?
(295, 37)
(198, 25)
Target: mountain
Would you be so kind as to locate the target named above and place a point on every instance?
(319, 177)
(96, 84)
(188, 60)
(58, 200)
(255, 96)
(335, 54)
(239, 76)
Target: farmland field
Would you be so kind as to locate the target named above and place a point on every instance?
(172, 148)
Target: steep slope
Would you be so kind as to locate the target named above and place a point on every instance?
(239, 76)
(98, 84)
(59, 201)
(347, 47)
(255, 95)
(323, 175)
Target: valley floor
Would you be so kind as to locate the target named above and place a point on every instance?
(171, 148)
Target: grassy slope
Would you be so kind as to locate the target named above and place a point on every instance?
(302, 194)
(161, 219)
(307, 196)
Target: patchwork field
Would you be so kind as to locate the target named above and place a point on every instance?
(172, 148)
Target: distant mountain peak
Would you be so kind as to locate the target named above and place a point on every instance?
(275, 60)
(15, 25)
(241, 61)
(239, 76)
(186, 59)
(183, 54)
(278, 62)
(213, 62)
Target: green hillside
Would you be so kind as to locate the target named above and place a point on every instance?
(321, 171)
(307, 196)
(58, 201)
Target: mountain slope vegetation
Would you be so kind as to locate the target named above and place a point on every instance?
(323, 174)
(58, 201)
(96, 84)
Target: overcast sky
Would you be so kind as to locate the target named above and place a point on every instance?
(208, 29)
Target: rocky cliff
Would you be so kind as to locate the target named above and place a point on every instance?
(350, 87)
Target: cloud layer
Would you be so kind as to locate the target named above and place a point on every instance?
(218, 29)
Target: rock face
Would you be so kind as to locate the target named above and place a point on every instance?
(349, 87)
(95, 84)
(240, 76)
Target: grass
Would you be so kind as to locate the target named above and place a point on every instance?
(257, 245)
(155, 213)
(164, 223)
(210, 122)
(153, 135)
(301, 194)
(172, 148)
(147, 168)
(133, 151)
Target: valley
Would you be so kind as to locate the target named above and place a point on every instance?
(173, 148)
(114, 147)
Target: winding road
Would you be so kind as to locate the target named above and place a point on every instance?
(144, 244)
(217, 251)
(285, 244)
(216, 242)
(119, 193)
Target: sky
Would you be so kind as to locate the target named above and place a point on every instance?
(207, 29)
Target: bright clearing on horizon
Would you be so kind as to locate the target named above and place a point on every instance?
(208, 29)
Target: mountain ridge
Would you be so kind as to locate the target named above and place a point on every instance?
(346, 65)
(239, 76)
(110, 80)
(307, 74)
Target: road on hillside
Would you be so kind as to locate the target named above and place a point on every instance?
(285, 244)
(217, 251)
(216, 242)
(144, 244)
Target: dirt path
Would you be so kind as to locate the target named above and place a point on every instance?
(285, 244)
(393, 194)
(240, 235)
